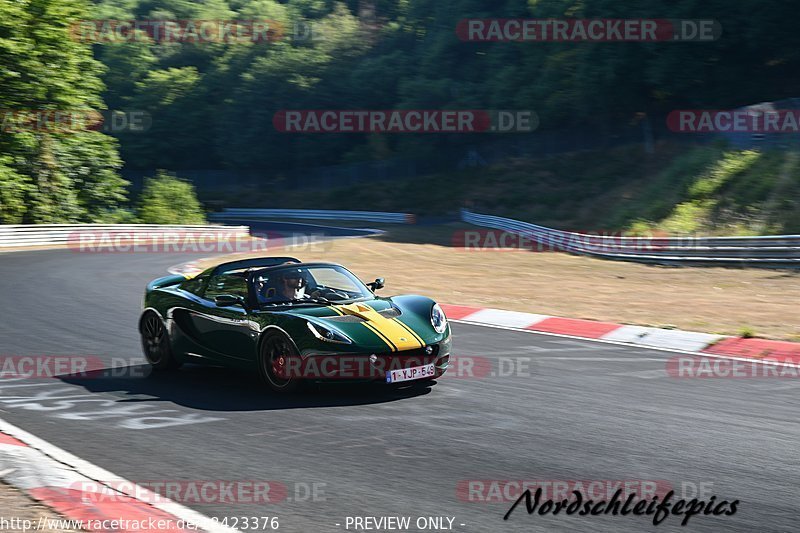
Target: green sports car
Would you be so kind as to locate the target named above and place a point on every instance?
(292, 322)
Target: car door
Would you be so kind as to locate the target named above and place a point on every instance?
(226, 333)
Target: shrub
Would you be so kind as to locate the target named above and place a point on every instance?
(167, 199)
(119, 215)
(747, 332)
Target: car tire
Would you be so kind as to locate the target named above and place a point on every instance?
(274, 355)
(155, 342)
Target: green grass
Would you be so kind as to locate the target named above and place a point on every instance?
(746, 332)
(679, 189)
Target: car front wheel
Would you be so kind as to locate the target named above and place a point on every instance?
(277, 363)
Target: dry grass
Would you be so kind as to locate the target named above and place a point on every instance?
(715, 300)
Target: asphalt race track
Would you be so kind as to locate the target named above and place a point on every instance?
(556, 409)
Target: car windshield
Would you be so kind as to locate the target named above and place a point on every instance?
(297, 284)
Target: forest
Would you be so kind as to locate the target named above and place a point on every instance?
(209, 103)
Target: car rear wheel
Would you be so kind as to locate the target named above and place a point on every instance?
(155, 343)
(276, 362)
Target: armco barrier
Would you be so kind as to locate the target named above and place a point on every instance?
(12, 236)
(777, 251)
(312, 214)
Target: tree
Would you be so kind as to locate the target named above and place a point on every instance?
(51, 174)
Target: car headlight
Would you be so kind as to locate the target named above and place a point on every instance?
(328, 335)
(438, 320)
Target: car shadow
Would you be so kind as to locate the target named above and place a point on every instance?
(223, 389)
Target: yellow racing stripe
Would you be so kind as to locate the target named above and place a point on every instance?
(398, 335)
(380, 335)
(337, 309)
(408, 328)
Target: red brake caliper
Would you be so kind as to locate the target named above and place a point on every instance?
(278, 366)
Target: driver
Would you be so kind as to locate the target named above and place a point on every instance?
(292, 285)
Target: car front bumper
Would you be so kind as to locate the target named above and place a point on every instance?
(367, 367)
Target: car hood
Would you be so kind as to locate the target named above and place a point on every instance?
(401, 323)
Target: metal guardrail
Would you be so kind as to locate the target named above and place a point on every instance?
(312, 214)
(776, 251)
(21, 235)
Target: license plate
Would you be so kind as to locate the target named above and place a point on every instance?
(409, 374)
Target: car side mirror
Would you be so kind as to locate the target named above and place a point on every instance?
(227, 300)
(379, 283)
